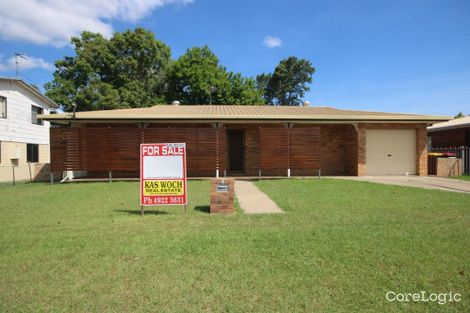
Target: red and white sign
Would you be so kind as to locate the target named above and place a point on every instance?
(163, 174)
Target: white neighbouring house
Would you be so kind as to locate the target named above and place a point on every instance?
(24, 139)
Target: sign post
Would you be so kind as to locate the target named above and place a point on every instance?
(163, 174)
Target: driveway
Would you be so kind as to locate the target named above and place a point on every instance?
(426, 182)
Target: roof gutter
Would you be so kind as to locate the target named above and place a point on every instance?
(444, 128)
(228, 120)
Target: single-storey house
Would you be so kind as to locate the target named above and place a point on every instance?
(453, 133)
(244, 140)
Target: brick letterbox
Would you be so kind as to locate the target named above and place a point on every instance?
(222, 193)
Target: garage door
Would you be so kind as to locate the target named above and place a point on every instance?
(390, 152)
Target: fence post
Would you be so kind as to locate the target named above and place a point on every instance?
(462, 157)
(467, 158)
(465, 162)
(13, 173)
(30, 176)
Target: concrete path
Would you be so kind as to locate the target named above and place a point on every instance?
(426, 182)
(252, 200)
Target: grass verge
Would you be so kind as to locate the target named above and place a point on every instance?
(463, 177)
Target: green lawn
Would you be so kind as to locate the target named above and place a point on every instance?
(339, 248)
(463, 177)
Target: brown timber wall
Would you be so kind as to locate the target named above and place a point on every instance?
(274, 148)
(274, 152)
(271, 148)
(117, 149)
(281, 147)
(304, 150)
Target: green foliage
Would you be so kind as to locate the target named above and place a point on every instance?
(459, 115)
(124, 71)
(197, 78)
(288, 84)
(243, 90)
(191, 78)
(134, 69)
(262, 82)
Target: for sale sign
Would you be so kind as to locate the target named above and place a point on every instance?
(163, 174)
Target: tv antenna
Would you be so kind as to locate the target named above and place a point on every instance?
(21, 55)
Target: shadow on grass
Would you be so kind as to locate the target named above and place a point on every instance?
(203, 208)
(146, 212)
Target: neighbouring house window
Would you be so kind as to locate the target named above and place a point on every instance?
(429, 142)
(32, 152)
(35, 111)
(3, 107)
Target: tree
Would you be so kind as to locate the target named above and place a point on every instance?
(243, 90)
(288, 84)
(262, 82)
(197, 78)
(125, 71)
(460, 115)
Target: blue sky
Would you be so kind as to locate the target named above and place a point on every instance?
(398, 56)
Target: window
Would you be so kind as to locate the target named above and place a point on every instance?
(3, 107)
(467, 138)
(32, 152)
(35, 111)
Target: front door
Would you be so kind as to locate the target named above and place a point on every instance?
(236, 150)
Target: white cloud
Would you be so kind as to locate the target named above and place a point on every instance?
(53, 22)
(24, 64)
(272, 42)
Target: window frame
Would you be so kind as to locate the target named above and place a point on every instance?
(34, 115)
(6, 107)
(32, 153)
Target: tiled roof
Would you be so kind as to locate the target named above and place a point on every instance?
(240, 113)
(452, 124)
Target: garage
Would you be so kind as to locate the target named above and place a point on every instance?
(390, 152)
